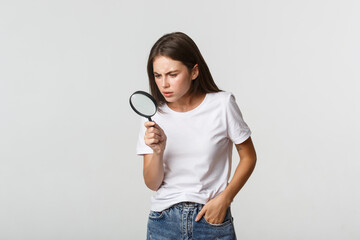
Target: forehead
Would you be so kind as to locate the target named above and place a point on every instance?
(166, 64)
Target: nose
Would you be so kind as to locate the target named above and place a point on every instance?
(164, 82)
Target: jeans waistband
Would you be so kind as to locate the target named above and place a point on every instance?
(182, 205)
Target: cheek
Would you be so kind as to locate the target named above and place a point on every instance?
(186, 84)
(182, 82)
(158, 83)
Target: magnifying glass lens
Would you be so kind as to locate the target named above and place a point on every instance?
(143, 104)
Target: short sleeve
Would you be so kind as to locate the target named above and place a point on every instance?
(141, 147)
(237, 130)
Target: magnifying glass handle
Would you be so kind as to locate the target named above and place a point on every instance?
(149, 118)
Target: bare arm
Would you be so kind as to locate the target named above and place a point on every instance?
(153, 171)
(244, 169)
(215, 209)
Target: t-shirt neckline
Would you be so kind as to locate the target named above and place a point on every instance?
(192, 111)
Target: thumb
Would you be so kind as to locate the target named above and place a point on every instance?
(200, 214)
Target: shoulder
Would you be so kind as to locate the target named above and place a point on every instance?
(223, 97)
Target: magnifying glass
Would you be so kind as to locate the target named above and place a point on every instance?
(143, 104)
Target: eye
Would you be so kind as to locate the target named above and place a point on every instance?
(173, 75)
(157, 76)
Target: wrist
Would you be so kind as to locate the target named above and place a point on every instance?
(228, 197)
(158, 152)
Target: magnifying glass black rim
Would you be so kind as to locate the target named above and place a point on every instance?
(149, 96)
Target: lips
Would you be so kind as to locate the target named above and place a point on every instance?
(167, 94)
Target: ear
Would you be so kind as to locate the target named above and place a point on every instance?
(195, 72)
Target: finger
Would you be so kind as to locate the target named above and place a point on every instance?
(154, 141)
(160, 131)
(153, 130)
(200, 214)
(151, 141)
(149, 124)
(158, 127)
(153, 135)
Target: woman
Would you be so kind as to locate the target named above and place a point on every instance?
(187, 148)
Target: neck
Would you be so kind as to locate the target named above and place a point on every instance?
(187, 102)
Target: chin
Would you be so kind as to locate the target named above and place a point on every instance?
(170, 99)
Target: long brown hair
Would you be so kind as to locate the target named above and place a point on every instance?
(180, 47)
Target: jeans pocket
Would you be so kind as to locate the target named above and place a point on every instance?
(225, 223)
(227, 220)
(156, 215)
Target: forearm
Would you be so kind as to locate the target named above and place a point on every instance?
(154, 172)
(241, 175)
(215, 208)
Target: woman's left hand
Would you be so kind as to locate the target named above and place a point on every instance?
(214, 211)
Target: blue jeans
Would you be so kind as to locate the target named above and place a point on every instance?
(178, 222)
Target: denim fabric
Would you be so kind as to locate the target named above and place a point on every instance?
(178, 222)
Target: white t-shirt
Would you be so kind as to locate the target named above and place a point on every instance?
(198, 153)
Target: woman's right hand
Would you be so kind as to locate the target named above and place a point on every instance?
(155, 137)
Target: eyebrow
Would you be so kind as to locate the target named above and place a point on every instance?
(174, 71)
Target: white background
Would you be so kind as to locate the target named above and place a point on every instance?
(68, 168)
